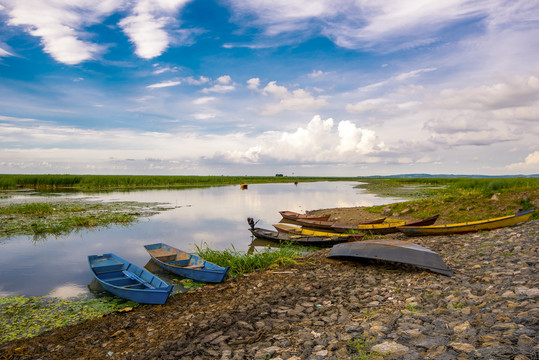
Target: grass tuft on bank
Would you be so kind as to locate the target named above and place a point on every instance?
(241, 262)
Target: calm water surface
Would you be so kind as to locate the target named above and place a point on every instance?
(57, 266)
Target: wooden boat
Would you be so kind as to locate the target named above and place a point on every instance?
(386, 228)
(392, 250)
(290, 215)
(319, 224)
(128, 281)
(276, 236)
(185, 264)
(288, 229)
(466, 227)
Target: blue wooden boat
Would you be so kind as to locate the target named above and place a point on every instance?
(186, 264)
(128, 281)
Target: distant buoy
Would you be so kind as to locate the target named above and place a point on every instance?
(243, 186)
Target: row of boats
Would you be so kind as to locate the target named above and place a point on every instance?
(346, 240)
(129, 281)
(310, 224)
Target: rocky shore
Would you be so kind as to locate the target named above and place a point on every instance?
(323, 308)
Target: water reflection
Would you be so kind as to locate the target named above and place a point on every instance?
(215, 217)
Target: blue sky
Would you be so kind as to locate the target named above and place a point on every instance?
(247, 87)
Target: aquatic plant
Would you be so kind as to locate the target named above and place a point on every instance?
(242, 263)
(24, 317)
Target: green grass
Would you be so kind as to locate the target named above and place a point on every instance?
(462, 199)
(10, 182)
(25, 317)
(243, 263)
(359, 348)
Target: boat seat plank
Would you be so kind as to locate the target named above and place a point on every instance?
(198, 266)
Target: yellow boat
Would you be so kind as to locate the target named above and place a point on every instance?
(384, 228)
(471, 226)
(304, 232)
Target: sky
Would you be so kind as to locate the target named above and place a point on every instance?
(260, 87)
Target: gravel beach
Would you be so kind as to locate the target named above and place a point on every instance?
(323, 308)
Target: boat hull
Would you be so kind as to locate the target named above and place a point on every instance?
(291, 215)
(305, 232)
(280, 237)
(393, 251)
(386, 228)
(327, 225)
(467, 227)
(128, 281)
(185, 264)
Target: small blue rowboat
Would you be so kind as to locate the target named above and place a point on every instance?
(128, 281)
(185, 264)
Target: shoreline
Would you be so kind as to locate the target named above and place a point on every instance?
(333, 309)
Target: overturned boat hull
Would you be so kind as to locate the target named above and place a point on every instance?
(394, 251)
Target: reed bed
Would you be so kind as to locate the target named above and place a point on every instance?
(10, 182)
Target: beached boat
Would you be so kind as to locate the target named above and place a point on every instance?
(327, 225)
(276, 236)
(290, 215)
(394, 251)
(128, 281)
(385, 228)
(185, 264)
(466, 227)
(289, 229)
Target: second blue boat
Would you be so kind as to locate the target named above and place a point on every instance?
(186, 264)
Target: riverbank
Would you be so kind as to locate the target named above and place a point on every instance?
(332, 309)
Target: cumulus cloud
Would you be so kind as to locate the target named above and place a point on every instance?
(298, 99)
(253, 83)
(319, 142)
(200, 81)
(531, 163)
(222, 84)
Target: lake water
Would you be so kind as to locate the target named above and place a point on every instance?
(57, 266)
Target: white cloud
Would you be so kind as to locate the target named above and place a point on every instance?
(60, 25)
(63, 26)
(530, 164)
(388, 25)
(365, 105)
(223, 84)
(317, 73)
(298, 99)
(224, 80)
(164, 84)
(319, 142)
(147, 25)
(253, 83)
(200, 81)
(203, 100)
(4, 53)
